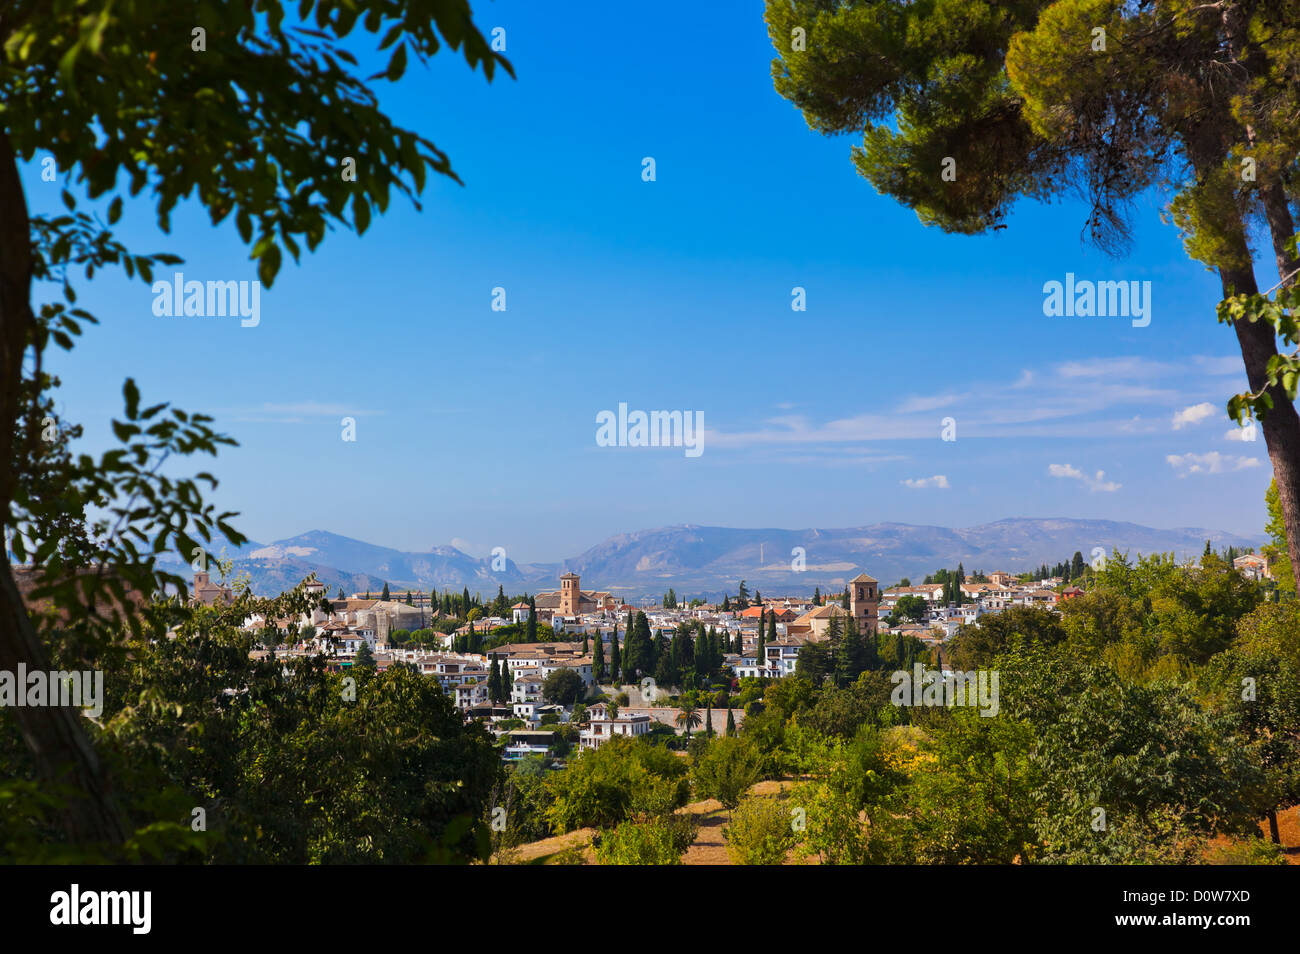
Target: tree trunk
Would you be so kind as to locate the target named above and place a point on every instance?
(1272, 826)
(1281, 227)
(1258, 341)
(55, 735)
(1281, 425)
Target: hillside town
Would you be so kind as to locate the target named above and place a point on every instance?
(509, 686)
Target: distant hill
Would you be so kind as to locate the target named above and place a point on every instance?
(708, 561)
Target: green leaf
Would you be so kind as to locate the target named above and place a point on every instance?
(132, 395)
(361, 213)
(269, 265)
(397, 65)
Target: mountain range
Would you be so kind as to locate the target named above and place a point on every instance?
(711, 561)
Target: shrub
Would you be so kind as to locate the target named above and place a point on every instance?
(760, 832)
(661, 842)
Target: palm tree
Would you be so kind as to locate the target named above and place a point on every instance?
(689, 716)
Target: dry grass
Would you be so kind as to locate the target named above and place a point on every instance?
(710, 846)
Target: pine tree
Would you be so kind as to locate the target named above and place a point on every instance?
(817, 596)
(844, 600)
(384, 595)
(731, 722)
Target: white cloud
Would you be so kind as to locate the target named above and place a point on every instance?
(1094, 397)
(930, 402)
(1211, 463)
(1244, 434)
(938, 480)
(1096, 483)
(1193, 415)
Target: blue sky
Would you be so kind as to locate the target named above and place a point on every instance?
(478, 427)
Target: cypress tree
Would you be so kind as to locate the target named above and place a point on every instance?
(731, 722)
(615, 658)
(384, 595)
(708, 722)
(758, 653)
(771, 627)
(598, 658)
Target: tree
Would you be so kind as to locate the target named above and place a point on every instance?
(760, 651)
(1021, 100)
(759, 832)
(119, 128)
(978, 644)
(365, 658)
(731, 722)
(689, 715)
(563, 687)
(384, 595)
(530, 628)
(912, 608)
(726, 770)
(1258, 680)
(615, 658)
(638, 654)
(1277, 550)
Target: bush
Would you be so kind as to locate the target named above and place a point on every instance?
(726, 770)
(660, 842)
(760, 832)
(602, 786)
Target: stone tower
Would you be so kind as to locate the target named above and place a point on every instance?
(570, 595)
(864, 602)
